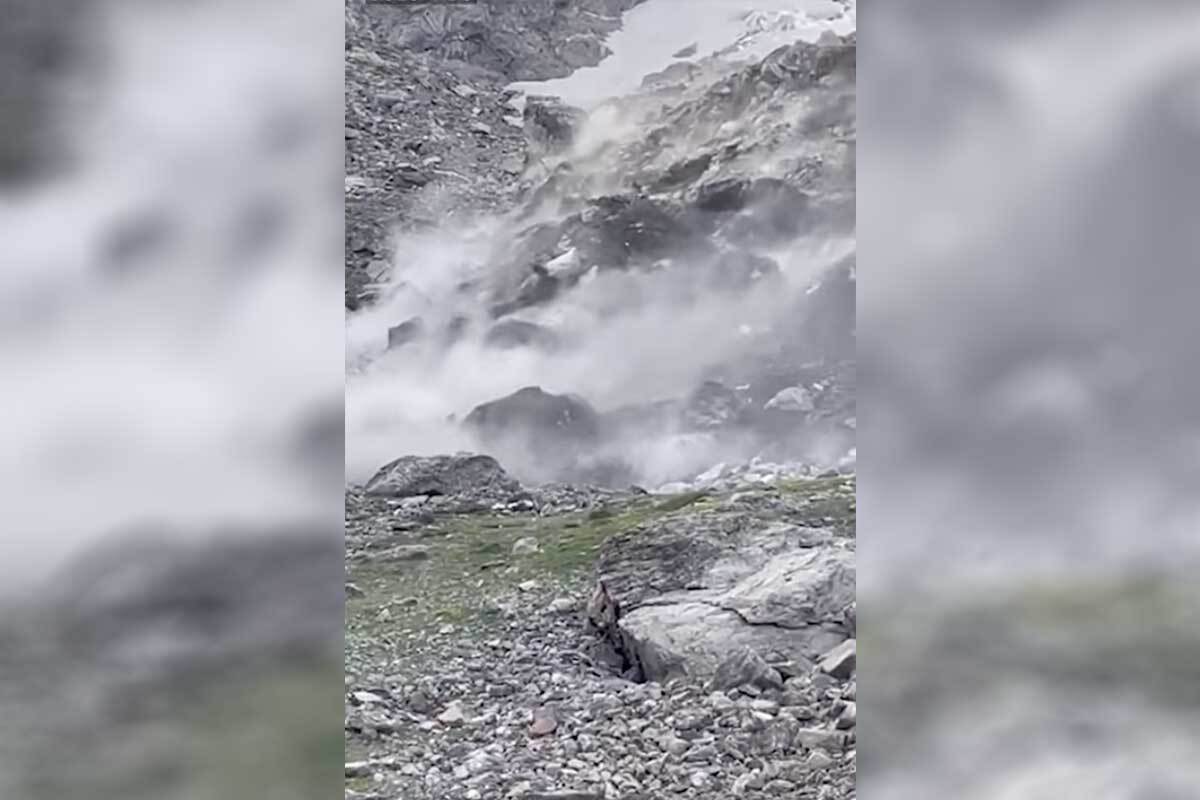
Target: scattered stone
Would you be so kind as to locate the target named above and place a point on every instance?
(366, 698)
(453, 715)
(840, 662)
(526, 546)
(563, 605)
(544, 723)
(793, 399)
(849, 717)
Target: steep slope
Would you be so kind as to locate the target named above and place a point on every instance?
(657, 288)
(717, 203)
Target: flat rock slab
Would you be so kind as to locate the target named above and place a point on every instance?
(789, 609)
(681, 595)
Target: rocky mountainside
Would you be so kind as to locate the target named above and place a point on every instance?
(518, 39)
(717, 201)
(557, 631)
(427, 103)
(654, 292)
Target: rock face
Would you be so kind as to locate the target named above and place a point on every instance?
(409, 132)
(443, 476)
(680, 597)
(521, 39)
(721, 182)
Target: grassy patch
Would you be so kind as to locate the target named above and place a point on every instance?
(681, 501)
(361, 784)
(274, 738)
(828, 501)
(471, 559)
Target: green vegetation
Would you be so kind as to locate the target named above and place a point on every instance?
(471, 559)
(681, 501)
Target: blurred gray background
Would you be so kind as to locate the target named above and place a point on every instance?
(170, 335)
(1028, 389)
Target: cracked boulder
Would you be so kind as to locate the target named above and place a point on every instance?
(681, 596)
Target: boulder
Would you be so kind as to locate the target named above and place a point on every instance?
(550, 124)
(544, 423)
(406, 332)
(462, 475)
(621, 230)
(694, 594)
(841, 661)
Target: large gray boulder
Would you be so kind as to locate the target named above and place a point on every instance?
(536, 418)
(463, 475)
(683, 595)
